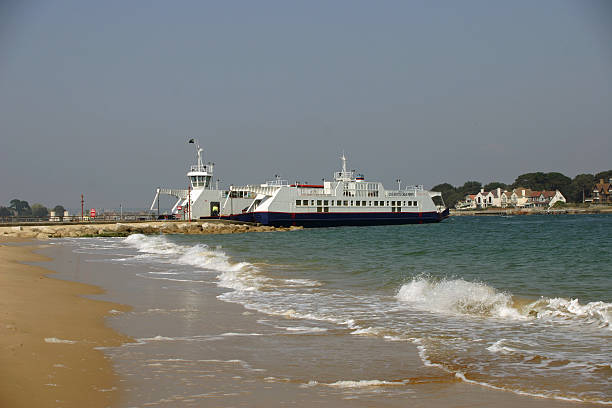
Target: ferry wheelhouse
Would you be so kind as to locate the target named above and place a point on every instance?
(349, 199)
(202, 198)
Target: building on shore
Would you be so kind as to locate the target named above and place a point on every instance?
(519, 197)
(539, 199)
(602, 193)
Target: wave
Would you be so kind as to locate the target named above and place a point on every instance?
(457, 296)
(239, 276)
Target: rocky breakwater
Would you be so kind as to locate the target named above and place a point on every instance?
(125, 229)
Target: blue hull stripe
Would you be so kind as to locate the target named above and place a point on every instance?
(281, 219)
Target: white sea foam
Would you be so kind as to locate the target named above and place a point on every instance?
(368, 331)
(58, 341)
(597, 313)
(459, 297)
(364, 383)
(501, 347)
(239, 276)
(151, 244)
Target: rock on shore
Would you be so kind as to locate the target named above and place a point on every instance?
(124, 229)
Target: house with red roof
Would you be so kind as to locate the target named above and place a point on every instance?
(544, 198)
(602, 193)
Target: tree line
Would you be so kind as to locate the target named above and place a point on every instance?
(21, 208)
(572, 189)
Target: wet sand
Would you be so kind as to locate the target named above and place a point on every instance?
(194, 350)
(48, 337)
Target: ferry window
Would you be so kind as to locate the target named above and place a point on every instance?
(325, 202)
(339, 202)
(351, 203)
(346, 203)
(387, 203)
(298, 202)
(326, 209)
(318, 202)
(363, 203)
(393, 203)
(305, 202)
(319, 209)
(357, 203)
(375, 203)
(369, 203)
(311, 202)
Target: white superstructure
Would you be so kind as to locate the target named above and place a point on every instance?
(346, 200)
(203, 198)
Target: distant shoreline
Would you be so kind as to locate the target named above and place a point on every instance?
(532, 211)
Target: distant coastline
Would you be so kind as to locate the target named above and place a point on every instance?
(570, 209)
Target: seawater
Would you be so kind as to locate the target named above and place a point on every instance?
(519, 303)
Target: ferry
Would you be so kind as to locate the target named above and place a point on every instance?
(203, 199)
(346, 200)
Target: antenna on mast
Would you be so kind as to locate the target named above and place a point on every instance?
(199, 151)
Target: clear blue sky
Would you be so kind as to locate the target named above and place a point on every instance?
(100, 97)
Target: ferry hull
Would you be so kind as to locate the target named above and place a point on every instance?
(282, 219)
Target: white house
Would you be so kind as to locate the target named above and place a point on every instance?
(468, 203)
(520, 196)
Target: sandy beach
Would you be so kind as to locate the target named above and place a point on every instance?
(48, 336)
(189, 348)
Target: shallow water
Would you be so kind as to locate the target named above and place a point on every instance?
(521, 303)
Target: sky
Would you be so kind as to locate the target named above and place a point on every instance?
(100, 98)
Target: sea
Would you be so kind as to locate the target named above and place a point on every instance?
(521, 304)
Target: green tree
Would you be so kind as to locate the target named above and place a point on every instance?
(470, 187)
(581, 184)
(21, 207)
(39, 210)
(494, 185)
(544, 181)
(449, 194)
(59, 210)
(605, 175)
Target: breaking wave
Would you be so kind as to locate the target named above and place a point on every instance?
(240, 276)
(457, 296)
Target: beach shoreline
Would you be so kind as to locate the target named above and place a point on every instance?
(44, 231)
(245, 358)
(50, 334)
